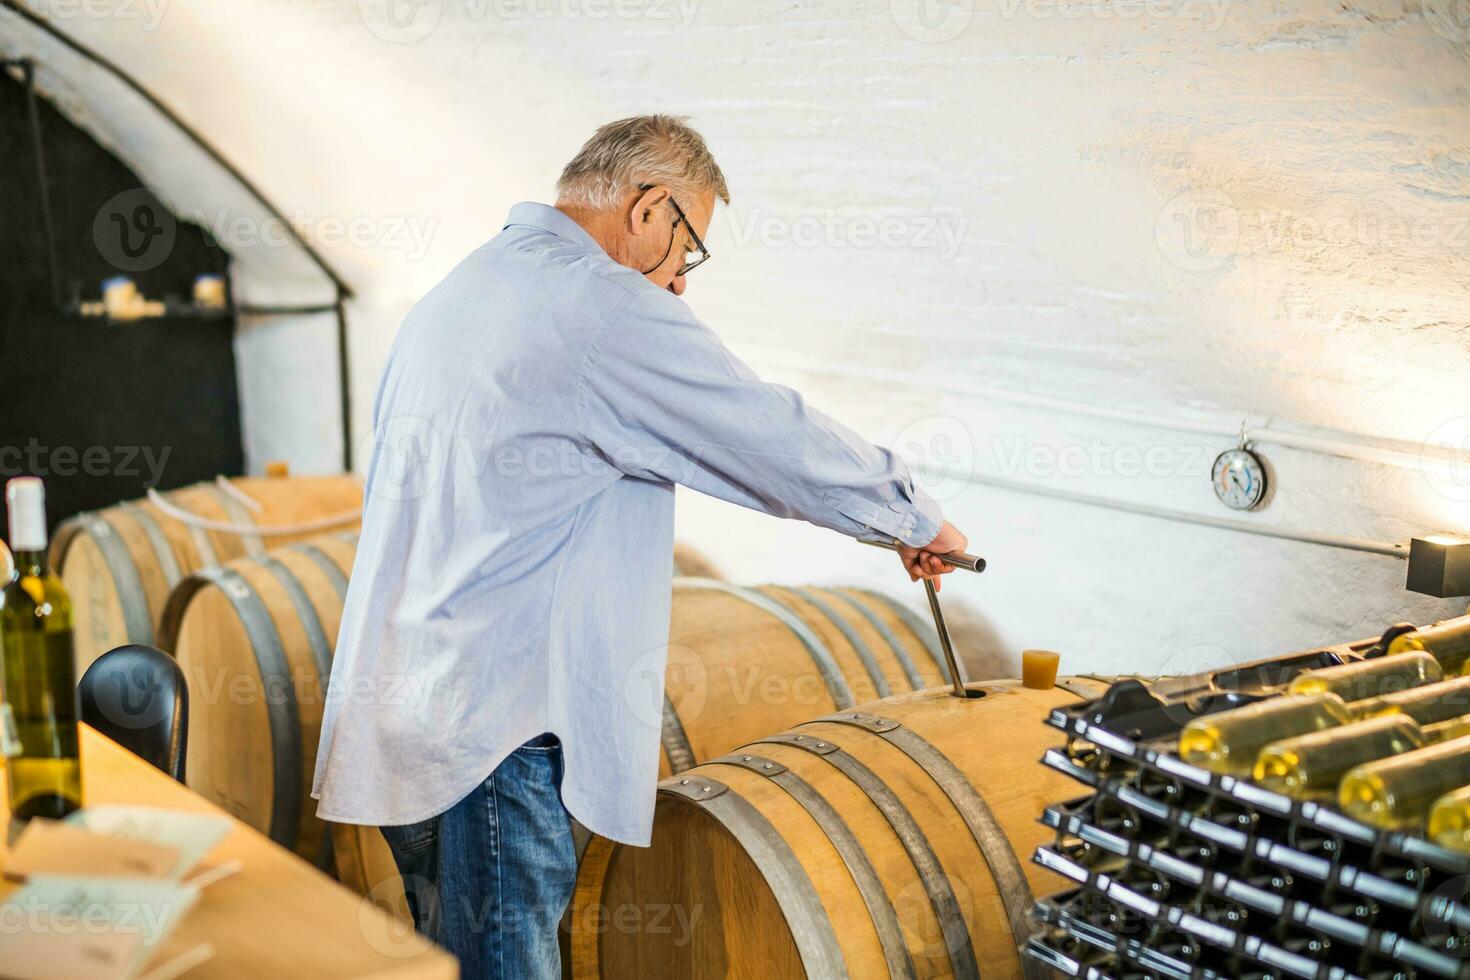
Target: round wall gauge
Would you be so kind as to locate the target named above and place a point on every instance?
(1239, 478)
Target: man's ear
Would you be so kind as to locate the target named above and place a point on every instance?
(644, 209)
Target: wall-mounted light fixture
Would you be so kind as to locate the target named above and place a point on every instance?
(1439, 565)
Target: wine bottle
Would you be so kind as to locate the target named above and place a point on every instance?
(1427, 705)
(1445, 730)
(1311, 765)
(1369, 678)
(1448, 642)
(44, 769)
(1229, 741)
(1397, 792)
(1449, 820)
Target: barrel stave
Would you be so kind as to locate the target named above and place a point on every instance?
(690, 562)
(184, 546)
(943, 821)
(814, 847)
(235, 704)
(915, 652)
(963, 886)
(228, 756)
(98, 614)
(719, 889)
(155, 586)
(859, 659)
(735, 670)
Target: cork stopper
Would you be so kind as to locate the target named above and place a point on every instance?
(1039, 669)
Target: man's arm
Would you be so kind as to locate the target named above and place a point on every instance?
(661, 398)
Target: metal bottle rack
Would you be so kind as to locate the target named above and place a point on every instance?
(1182, 873)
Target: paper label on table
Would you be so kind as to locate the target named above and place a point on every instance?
(190, 835)
(48, 847)
(84, 928)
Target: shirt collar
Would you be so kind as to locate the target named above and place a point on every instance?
(548, 218)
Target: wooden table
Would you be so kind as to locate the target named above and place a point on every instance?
(276, 917)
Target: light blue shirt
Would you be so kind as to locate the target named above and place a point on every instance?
(514, 571)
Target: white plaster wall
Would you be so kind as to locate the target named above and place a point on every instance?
(289, 396)
(1223, 211)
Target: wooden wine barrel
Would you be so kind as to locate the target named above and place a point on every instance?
(691, 562)
(893, 839)
(255, 639)
(743, 662)
(365, 864)
(119, 564)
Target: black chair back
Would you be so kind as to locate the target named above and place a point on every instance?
(136, 696)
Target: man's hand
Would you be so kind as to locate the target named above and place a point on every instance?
(922, 563)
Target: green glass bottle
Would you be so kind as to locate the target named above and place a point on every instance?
(1370, 678)
(1448, 642)
(1229, 741)
(44, 769)
(1445, 730)
(1449, 820)
(1427, 705)
(1397, 792)
(1311, 765)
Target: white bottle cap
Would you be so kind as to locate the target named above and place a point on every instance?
(25, 496)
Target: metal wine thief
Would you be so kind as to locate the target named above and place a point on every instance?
(958, 559)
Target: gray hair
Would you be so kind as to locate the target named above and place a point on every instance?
(624, 155)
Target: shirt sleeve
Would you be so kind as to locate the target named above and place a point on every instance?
(661, 398)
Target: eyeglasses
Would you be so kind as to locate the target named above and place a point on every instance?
(689, 264)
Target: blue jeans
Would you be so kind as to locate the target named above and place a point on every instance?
(489, 878)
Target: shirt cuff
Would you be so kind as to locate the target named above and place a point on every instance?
(927, 520)
(915, 521)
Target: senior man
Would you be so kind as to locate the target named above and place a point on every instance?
(513, 572)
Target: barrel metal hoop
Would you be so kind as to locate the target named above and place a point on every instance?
(284, 715)
(65, 536)
(157, 540)
(237, 514)
(137, 620)
(172, 617)
(329, 568)
(757, 764)
(321, 652)
(876, 724)
(814, 745)
(675, 739)
(316, 634)
(815, 648)
(910, 671)
(700, 789)
(990, 838)
(921, 853)
(801, 906)
(1073, 686)
(849, 848)
(859, 646)
(916, 624)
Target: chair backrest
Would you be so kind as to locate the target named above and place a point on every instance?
(136, 696)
